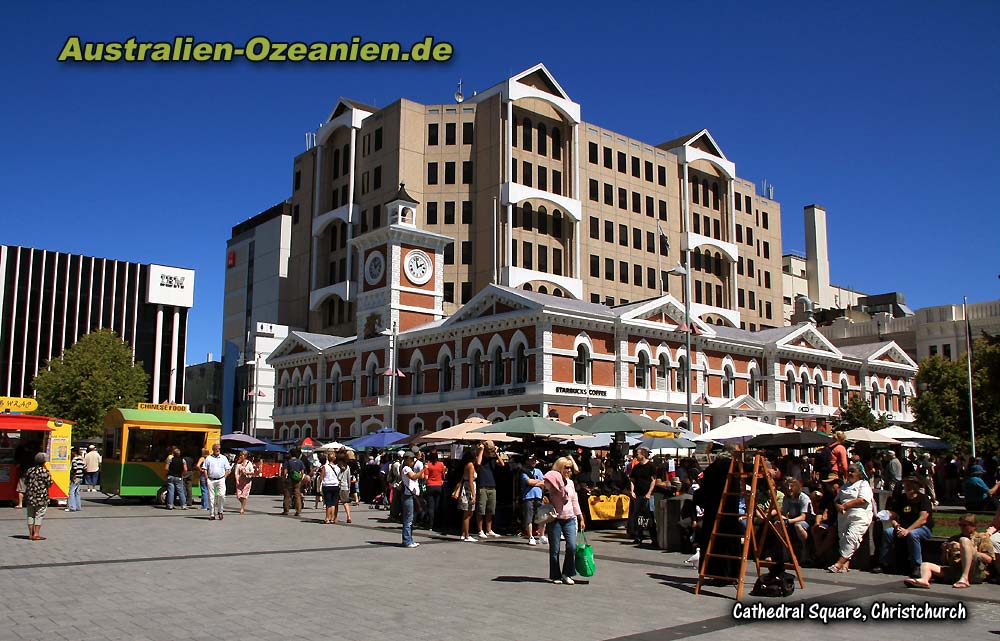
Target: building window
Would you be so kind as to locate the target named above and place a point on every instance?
(496, 368)
(607, 157)
(635, 167)
(581, 366)
(636, 203)
(648, 171)
(449, 291)
(754, 384)
(378, 139)
(683, 374)
(595, 190)
(526, 131)
(946, 350)
(557, 261)
(466, 212)
(466, 292)
(609, 269)
(623, 235)
(526, 217)
(763, 219)
(650, 278)
(449, 212)
(663, 373)
(449, 133)
(623, 272)
(609, 194)
(663, 209)
(642, 371)
(520, 365)
(609, 231)
(767, 249)
(449, 173)
(592, 153)
(636, 238)
(818, 390)
(622, 162)
(466, 172)
(727, 382)
(595, 228)
(543, 140)
(295, 215)
(468, 130)
(556, 144)
(527, 255)
(543, 258)
(298, 180)
(377, 177)
(661, 175)
(622, 198)
(432, 173)
(637, 275)
(526, 179)
(543, 178)
(466, 252)
(432, 213)
(476, 369)
(432, 135)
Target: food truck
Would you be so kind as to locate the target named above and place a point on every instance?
(136, 443)
(24, 435)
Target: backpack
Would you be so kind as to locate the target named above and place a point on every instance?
(296, 474)
(774, 585)
(824, 460)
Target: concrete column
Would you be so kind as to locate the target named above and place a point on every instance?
(350, 214)
(732, 238)
(576, 194)
(156, 353)
(508, 158)
(317, 174)
(174, 336)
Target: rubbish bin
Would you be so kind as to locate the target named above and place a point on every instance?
(668, 530)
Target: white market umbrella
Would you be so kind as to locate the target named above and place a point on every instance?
(903, 434)
(335, 446)
(740, 428)
(865, 435)
(461, 432)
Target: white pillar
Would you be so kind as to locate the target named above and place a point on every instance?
(506, 173)
(317, 173)
(350, 214)
(732, 239)
(576, 195)
(175, 334)
(156, 353)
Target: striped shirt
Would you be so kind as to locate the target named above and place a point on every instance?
(77, 468)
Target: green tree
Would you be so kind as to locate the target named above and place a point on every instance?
(942, 403)
(857, 413)
(93, 376)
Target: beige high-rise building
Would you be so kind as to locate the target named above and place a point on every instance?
(534, 198)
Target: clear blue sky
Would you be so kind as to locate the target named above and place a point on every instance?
(886, 113)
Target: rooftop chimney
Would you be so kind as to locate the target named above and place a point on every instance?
(817, 259)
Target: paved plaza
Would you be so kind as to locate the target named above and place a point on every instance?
(130, 571)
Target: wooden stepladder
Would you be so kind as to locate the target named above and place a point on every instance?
(736, 485)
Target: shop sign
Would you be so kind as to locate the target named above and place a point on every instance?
(164, 407)
(16, 404)
(510, 391)
(170, 286)
(580, 391)
(805, 409)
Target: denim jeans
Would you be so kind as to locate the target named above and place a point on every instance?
(406, 501)
(204, 493)
(74, 497)
(175, 487)
(434, 495)
(567, 528)
(913, 540)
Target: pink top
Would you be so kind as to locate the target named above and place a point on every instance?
(562, 495)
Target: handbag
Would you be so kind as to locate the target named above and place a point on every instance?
(584, 556)
(545, 515)
(457, 491)
(643, 517)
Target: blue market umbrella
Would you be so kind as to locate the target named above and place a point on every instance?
(382, 438)
(266, 447)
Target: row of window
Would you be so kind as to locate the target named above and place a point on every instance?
(526, 258)
(529, 219)
(367, 139)
(639, 168)
(624, 271)
(637, 200)
(803, 390)
(528, 176)
(623, 236)
(450, 133)
(761, 215)
(431, 212)
(529, 133)
(449, 172)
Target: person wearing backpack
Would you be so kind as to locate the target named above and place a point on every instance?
(293, 471)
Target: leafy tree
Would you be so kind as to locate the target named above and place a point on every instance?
(942, 403)
(93, 376)
(857, 413)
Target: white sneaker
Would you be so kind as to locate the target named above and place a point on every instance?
(493, 534)
(693, 559)
(471, 539)
(413, 545)
(559, 581)
(568, 581)
(544, 540)
(532, 541)
(482, 534)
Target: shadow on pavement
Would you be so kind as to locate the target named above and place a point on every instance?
(684, 584)
(520, 579)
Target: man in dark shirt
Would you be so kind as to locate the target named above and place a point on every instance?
(911, 521)
(641, 484)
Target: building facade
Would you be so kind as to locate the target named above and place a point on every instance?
(49, 300)
(510, 350)
(533, 198)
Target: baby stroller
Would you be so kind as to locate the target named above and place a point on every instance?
(380, 502)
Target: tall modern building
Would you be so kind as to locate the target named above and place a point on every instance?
(535, 198)
(253, 313)
(49, 300)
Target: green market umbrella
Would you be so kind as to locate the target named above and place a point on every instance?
(533, 424)
(616, 419)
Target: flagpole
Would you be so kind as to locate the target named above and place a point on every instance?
(968, 366)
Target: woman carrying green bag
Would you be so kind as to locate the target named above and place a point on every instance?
(568, 519)
(584, 556)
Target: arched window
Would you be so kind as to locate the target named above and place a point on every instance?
(581, 365)
(526, 287)
(476, 369)
(346, 158)
(642, 371)
(446, 377)
(336, 163)
(715, 195)
(308, 432)
(334, 387)
(556, 144)
(417, 377)
(875, 399)
(526, 217)
(902, 398)
(818, 390)
(557, 225)
(497, 374)
(804, 388)
(542, 289)
(790, 388)
(526, 132)
(843, 393)
(558, 293)
(295, 432)
(888, 399)
(683, 374)
(372, 379)
(663, 373)
(704, 197)
(727, 382)
(719, 266)
(513, 132)
(520, 365)
(694, 191)
(754, 384)
(543, 141)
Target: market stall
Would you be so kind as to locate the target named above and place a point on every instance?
(136, 445)
(21, 437)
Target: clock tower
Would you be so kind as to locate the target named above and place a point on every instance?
(402, 271)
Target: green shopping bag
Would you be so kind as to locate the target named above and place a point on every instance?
(584, 556)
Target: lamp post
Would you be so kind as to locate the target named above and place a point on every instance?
(393, 335)
(683, 271)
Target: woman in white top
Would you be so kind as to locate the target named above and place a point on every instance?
(330, 484)
(343, 472)
(855, 503)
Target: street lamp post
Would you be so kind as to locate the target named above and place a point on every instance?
(684, 271)
(393, 335)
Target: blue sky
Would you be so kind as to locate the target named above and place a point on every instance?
(886, 113)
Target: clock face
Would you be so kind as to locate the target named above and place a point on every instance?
(419, 267)
(374, 267)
